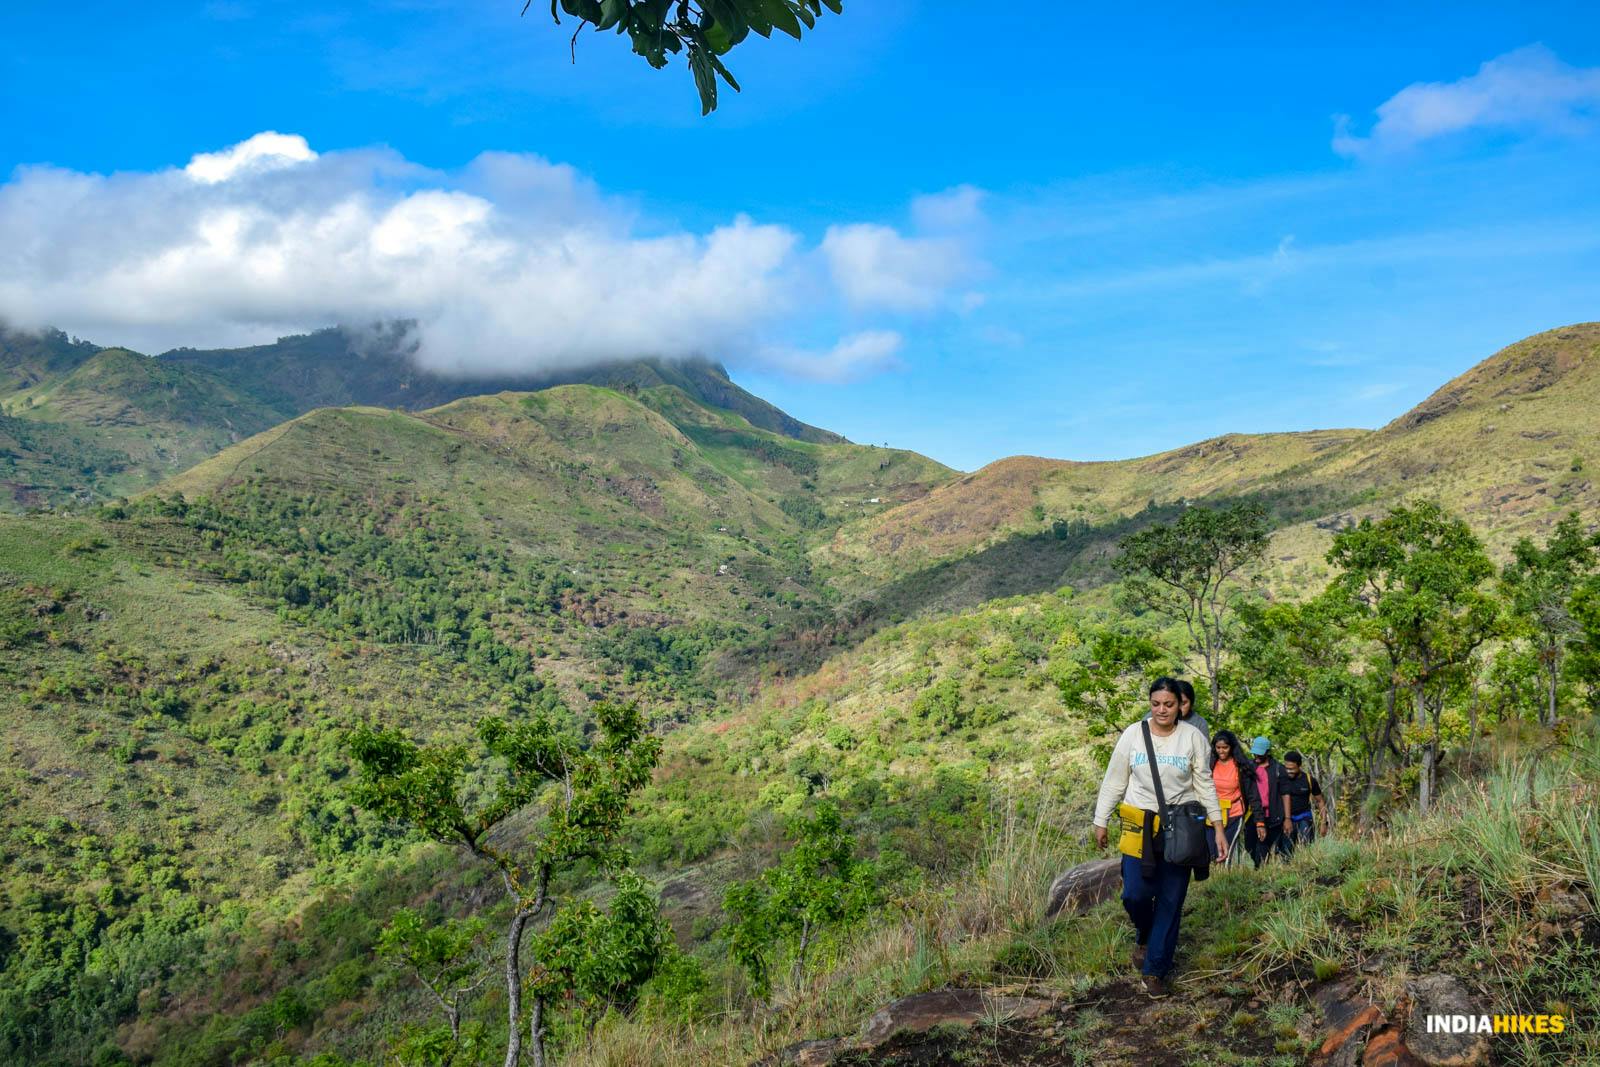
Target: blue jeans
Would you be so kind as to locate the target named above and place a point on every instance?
(1155, 905)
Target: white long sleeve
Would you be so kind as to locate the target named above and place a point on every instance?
(1185, 773)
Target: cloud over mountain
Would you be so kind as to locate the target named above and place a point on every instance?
(512, 263)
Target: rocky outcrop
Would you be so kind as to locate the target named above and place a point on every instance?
(809, 1053)
(1359, 1034)
(1081, 888)
(945, 1007)
(1442, 994)
(916, 1014)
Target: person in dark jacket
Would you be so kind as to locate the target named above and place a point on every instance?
(1302, 803)
(1266, 836)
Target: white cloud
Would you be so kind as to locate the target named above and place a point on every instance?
(875, 266)
(855, 356)
(265, 151)
(1524, 91)
(511, 264)
(960, 208)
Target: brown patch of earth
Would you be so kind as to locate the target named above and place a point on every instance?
(1115, 1025)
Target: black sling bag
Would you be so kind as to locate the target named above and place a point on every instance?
(1183, 828)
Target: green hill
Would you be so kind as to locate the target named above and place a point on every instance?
(119, 422)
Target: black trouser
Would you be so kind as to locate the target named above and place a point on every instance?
(1298, 832)
(1259, 849)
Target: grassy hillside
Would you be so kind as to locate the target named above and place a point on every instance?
(183, 674)
(1026, 495)
(161, 418)
(27, 359)
(695, 533)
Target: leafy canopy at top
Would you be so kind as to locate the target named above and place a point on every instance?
(705, 30)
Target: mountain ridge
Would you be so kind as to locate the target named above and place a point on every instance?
(120, 421)
(1507, 439)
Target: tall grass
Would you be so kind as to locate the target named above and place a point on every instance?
(1577, 825)
(1492, 828)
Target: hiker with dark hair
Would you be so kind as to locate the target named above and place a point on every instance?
(1299, 790)
(1265, 836)
(1229, 772)
(1186, 712)
(1159, 765)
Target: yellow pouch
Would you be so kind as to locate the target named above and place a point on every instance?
(1131, 843)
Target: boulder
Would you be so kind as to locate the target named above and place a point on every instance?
(1443, 994)
(1081, 888)
(945, 1007)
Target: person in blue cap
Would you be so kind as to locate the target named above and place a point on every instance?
(1266, 836)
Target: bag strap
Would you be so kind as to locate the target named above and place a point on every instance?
(1155, 770)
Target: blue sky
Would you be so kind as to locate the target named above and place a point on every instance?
(930, 225)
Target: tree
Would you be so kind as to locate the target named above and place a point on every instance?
(820, 884)
(572, 800)
(1538, 586)
(448, 959)
(1301, 682)
(1415, 578)
(704, 30)
(1585, 661)
(598, 959)
(1104, 675)
(1194, 570)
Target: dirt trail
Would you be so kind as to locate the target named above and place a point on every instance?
(1113, 1025)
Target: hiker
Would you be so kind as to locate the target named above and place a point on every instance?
(1299, 790)
(1266, 803)
(1186, 712)
(1158, 760)
(1229, 772)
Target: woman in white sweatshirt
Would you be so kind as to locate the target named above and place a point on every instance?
(1153, 890)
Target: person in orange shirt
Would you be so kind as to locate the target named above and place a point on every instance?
(1228, 770)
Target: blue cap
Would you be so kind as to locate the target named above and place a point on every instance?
(1260, 746)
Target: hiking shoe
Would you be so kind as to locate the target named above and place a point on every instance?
(1139, 953)
(1155, 987)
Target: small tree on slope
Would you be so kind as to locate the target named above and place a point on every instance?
(1194, 570)
(575, 798)
(819, 885)
(1538, 586)
(1416, 578)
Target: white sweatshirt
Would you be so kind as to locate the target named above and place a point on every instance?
(1185, 773)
